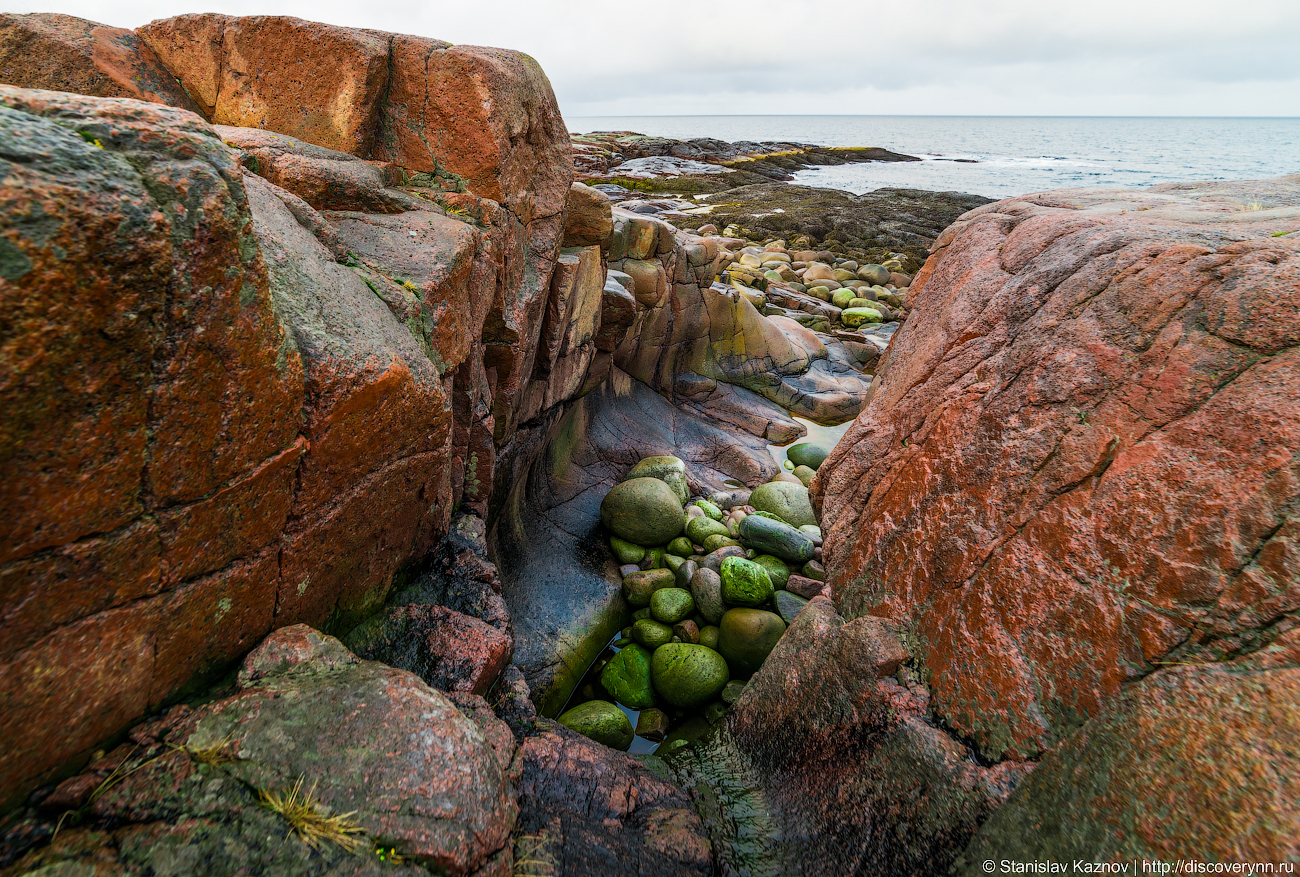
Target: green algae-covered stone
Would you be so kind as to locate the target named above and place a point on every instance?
(687, 676)
(625, 551)
(776, 568)
(716, 541)
(808, 454)
(804, 474)
(601, 721)
(643, 511)
(701, 528)
(639, 586)
(777, 538)
(746, 637)
(681, 546)
(671, 605)
(814, 570)
(788, 605)
(841, 297)
(669, 470)
(709, 509)
(673, 562)
(787, 501)
(652, 634)
(709, 636)
(627, 677)
(654, 558)
(744, 583)
(857, 316)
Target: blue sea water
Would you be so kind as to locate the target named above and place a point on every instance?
(1007, 155)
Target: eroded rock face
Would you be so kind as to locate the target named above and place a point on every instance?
(62, 53)
(1081, 460)
(1198, 758)
(357, 736)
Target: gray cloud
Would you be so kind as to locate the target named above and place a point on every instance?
(1144, 57)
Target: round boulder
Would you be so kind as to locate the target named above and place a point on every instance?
(671, 605)
(651, 634)
(745, 583)
(669, 470)
(746, 637)
(808, 454)
(644, 511)
(601, 721)
(787, 501)
(688, 676)
(627, 677)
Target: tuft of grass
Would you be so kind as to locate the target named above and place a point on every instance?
(533, 857)
(310, 821)
(1279, 234)
(214, 754)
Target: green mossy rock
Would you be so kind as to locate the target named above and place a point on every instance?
(808, 454)
(852, 317)
(627, 677)
(688, 676)
(601, 721)
(681, 546)
(625, 551)
(671, 605)
(777, 570)
(716, 541)
(787, 501)
(709, 636)
(874, 274)
(669, 470)
(701, 528)
(639, 586)
(804, 474)
(746, 637)
(710, 510)
(652, 634)
(744, 583)
(643, 511)
(775, 537)
(841, 297)
(814, 570)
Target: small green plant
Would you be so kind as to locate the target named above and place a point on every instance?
(310, 821)
(214, 754)
(1082, 415)
(1280, 234)
(389, 855)
(91, 139)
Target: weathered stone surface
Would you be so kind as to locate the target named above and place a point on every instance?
(588, 220)
(1191, 761)
(125, 445)
(1080, 461)
(448, 650)
(355, 736)
(62, 53)
(317, 82)
(587, 809)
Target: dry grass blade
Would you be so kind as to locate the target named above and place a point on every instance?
(532, 858)
(309, 820)
(214, 754)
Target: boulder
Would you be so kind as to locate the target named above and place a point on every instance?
(56, 52)
(746, 637)
(777, 538)
(807, 454)
(787, 501)
(1068, 475)
(706, 590)
(588, 220)
(669, 470)
(645, 511)
(688, 676)
(671, 605)
(744, 583)
(601, 721)
(627, 678)
(187, 786)
(448, 650)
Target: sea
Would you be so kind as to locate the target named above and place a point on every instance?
(1001, 156)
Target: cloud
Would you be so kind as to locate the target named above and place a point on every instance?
(1140, 57)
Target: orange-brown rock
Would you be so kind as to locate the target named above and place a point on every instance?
(317, 82)
(62, 53)
(1080, 463)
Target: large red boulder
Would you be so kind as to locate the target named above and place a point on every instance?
(62, 53)
(1081, 462)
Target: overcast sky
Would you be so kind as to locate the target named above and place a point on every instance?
(1002, 57)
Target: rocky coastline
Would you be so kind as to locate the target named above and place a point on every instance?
(398, 487)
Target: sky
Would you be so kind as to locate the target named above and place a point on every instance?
(922, 57)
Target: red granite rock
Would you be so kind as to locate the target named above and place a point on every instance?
(62, 53)
(448, 650)
(1080, 462)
